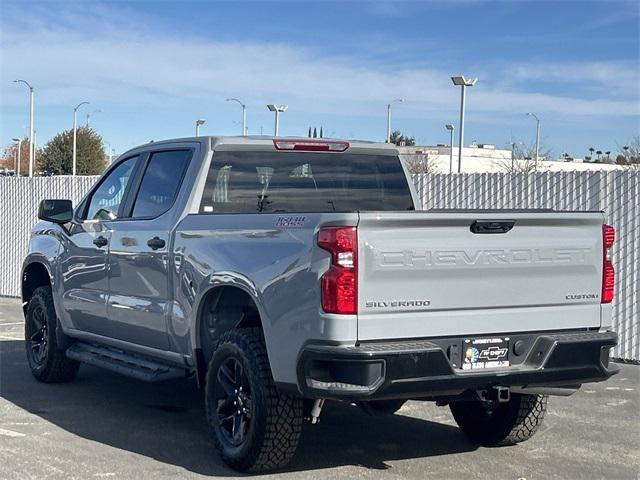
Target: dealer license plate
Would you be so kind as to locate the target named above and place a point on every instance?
(479, 353)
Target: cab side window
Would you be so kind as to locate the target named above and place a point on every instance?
(160, 183)
(106, 199)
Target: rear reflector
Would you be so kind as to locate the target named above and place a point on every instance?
(311, 145)
(608, 274)
(339, 284)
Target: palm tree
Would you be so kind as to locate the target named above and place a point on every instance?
(608, 153)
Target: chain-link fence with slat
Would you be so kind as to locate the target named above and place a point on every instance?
(616, 193)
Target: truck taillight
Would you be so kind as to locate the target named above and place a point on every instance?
(608, 237)
(339, 284)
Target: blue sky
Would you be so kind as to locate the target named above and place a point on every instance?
(152, 68)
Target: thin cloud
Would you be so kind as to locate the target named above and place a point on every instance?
(111, 62)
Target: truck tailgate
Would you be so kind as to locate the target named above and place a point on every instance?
(427, 274)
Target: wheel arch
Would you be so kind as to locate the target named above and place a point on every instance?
(35, 273)
(222, 308)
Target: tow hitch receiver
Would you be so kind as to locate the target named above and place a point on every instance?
(495, 394)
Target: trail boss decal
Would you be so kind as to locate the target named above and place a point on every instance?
(291, 222)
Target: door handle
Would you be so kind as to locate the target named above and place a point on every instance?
(100, 241)
(156, 242)
(492, 226)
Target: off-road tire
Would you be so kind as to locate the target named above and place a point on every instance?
(54, 367)
(509, 423)
(381, 407)
(276, 418)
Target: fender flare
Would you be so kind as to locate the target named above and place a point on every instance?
(212, 282)
(62, 340)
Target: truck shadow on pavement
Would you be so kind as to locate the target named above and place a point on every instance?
(166, 422)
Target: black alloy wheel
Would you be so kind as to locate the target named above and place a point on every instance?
(47, 358)
(234, 406)
(37, 335)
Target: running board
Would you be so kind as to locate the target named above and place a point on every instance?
(124, 363)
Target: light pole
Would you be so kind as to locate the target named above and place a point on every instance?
(35, 147)
(513, 156)
(199, 122)
(89, 116)
(450, 127)
(75, 126)
(244, 114)
(19, 140)
(277, 109)
(463, 83)
(397, 100)
(31, 101)
(537, 136)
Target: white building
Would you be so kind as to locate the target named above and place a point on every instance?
(480, 158)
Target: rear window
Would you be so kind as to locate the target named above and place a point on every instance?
(160, 182)
(274, 182)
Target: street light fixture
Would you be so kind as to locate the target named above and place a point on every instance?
(537, 136)
(277, 109)
(397, 100)
(244, 114)
(75, 127)
(450, 127)
(463, 83)
(31, 102)
(199, 122)
(19, 140)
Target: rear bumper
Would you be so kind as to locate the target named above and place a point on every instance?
(424, 368)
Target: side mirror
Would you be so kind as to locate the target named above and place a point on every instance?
(56, 211)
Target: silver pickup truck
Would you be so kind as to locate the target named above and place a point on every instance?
(282, 272)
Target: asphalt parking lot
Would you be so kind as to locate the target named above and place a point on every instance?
(107, 426)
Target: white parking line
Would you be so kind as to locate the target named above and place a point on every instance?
(11, 433)
(4, 337)
(12, 323)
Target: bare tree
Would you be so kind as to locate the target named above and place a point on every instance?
(630, 154)
(522, 151)
(421, 163)
(524, 165)
(523, 160)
